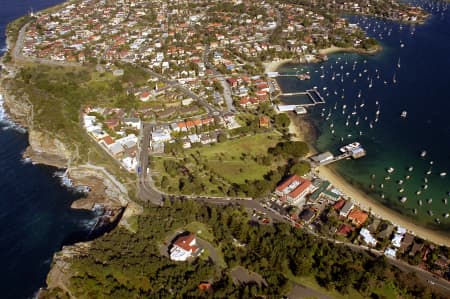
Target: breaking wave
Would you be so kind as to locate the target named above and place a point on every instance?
(6, 123)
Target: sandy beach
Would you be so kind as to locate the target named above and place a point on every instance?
(334, 49)
(369, 204)
(365, 201)
(274, 65)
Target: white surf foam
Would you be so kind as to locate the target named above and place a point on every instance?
(6, 122)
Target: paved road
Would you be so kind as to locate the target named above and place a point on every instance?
(146, 189)
(300, 291)
(174, 83)
(221, 78)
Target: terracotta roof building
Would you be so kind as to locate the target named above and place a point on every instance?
(358, 217)
(294, 189)
(184, 247)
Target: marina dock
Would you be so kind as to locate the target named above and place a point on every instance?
(353, 150)
(313, 94)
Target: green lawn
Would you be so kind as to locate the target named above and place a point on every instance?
(240, 171)
(227, 157)
(58, 95)
(309, 281)
(201, 230)
(220, 165)
(255, 145)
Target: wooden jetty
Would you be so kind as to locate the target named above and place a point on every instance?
(313, 94)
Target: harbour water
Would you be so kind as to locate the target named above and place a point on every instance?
(35, 215)
(410, 74)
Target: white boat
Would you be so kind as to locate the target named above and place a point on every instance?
(445, 200)
(404, 114)
(420, 202)
(442, 174)
(411, 168)
(446, 215)
(423, 153)
(430, 212)
(398, 63)
(415, 211)
(390, 170)
(400, 182)
(350, 147)
(403, 199)
(429, 200)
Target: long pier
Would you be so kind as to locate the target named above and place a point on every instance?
(337, 158)
(313, 94)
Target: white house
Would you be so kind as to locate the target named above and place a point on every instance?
(130, 163)
(367, 237)
(161, 136)
(184, 247)
(133, 122)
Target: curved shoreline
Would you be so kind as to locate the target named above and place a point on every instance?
(368, 203)
(365, 201)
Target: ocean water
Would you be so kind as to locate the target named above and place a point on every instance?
(35, 215)
(411, 74)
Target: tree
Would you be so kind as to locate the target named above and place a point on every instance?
(300, 168)
(282, 120)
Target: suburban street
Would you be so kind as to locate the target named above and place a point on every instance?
(210, 108)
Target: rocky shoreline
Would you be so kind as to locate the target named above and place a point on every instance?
(106, 195)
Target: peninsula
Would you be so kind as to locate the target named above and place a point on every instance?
(165, 112)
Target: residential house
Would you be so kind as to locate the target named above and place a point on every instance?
(345, 230)
(184, 247)
(408, 239)
(116, 149)
(357, 217)
(133, 122)
(161, 136)
(367, 237)
(348, 206)
(307, 215)
(264, 121)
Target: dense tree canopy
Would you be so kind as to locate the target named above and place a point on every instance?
(130, 265)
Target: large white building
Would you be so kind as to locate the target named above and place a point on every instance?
(294, 189)
(184, 247)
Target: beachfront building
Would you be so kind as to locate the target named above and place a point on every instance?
(294, 190)
(184, 247)
(358, 217)
(322, 158)
(348, 206)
